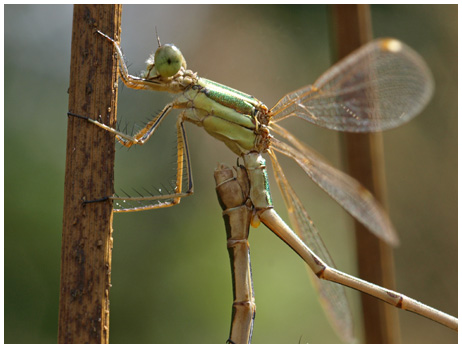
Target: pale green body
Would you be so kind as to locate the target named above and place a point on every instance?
(225, 113)
(232, 117)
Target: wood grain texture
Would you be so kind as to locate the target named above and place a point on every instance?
(89, 174)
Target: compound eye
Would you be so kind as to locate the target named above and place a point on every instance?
(168, 60)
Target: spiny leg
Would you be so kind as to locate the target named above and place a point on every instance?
(140, 138)
(167, 200)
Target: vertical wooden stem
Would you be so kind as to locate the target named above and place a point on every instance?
(87, 229)
(364, 156)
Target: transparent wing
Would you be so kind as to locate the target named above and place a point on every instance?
(381, 85)
(332, 295)
(348, 192)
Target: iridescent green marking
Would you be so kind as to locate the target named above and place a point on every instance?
(241, 102)
(269, 200)
(259, 184)
(230, 91)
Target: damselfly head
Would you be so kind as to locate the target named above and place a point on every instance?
(166, 62)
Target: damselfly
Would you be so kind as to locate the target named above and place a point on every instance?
(380, 86)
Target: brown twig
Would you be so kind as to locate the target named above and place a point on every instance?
(87, 228)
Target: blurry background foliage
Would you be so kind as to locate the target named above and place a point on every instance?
(171, 277)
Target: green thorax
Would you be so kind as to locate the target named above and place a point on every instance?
(227, 114)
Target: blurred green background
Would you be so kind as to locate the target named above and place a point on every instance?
(171, 278)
